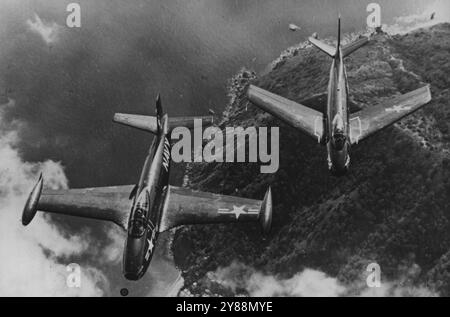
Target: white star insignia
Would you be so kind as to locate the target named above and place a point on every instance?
(238, 211)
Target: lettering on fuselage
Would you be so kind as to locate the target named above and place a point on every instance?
(166, 154)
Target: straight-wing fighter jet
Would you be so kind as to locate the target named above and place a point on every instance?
(336, 126)
(151, 206)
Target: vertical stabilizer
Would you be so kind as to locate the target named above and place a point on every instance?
(158, 113)
(338, 46)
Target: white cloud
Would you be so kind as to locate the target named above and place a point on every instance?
(438, 9)
(310, 283)
(48, 31)
(112, 253)
(25, 269)
(396, 290)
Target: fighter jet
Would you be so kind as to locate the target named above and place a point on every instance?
(335, 125)
(152, 205)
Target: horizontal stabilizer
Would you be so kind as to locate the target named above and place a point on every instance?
(327, 49)
(354, 46)
(373, 119)
(149, 123)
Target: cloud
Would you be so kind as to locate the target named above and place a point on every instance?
(239, 277)
(439, 10)
(112, 253)
(33, 260)
(308, 283)
(396, 290)
(48, 31)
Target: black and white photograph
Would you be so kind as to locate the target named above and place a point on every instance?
(231, 151)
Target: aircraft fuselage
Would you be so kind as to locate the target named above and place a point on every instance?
(143, 225)
(337, 119)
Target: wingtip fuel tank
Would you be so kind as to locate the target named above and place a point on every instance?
(31, 205)
(265, 215)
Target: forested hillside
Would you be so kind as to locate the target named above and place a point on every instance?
(392, 208)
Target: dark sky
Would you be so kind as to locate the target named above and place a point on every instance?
(126, 52)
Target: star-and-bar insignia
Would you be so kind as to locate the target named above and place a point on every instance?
(398, 109)
(238, 211)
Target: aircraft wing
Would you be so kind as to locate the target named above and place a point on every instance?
(104, 203)
(370, 120)
(148, 123)
(186, 207)
(298, 116)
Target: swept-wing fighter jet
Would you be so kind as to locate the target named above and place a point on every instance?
(151, 206)
(336, 126)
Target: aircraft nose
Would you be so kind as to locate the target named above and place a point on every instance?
(133, 260)
(338, 171)
(340, 164)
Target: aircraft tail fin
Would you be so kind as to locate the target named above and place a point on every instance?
(338, 45)
(159, 114)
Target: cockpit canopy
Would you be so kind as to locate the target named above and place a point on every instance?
(339, 138)
(137, 224)
(139, 217)
(339, 141)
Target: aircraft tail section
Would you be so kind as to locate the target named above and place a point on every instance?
(150, 123)
(155, 124)
(330, 50)
(334, 52)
